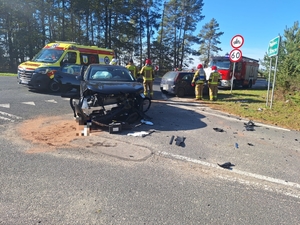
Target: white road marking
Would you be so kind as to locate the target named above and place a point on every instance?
(28, 103)
(247, 174)
(52, 101)
(9, 115)
(5, 105)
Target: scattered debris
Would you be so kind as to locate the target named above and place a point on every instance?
(218, 129)
(147, 122)
(141, 133)
(226, 165)
(150, 132)
(296, 139)
(250, 144)
(172, 138)
(138, 134)
(180, 141)
(259, 109)
(236, 145)
(249, 126)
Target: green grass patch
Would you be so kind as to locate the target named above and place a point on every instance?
(251, 104)
(8, 74)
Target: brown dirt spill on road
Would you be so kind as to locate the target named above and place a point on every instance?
(48, 133)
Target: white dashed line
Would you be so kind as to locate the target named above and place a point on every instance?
(28, 103)
(52, 101)
(5, 105)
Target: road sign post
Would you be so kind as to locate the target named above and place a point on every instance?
(273, 50)
(236, 54)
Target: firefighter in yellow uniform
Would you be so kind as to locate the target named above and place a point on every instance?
(213, 83)
(132, 68)
(148, 78)
(198, 79)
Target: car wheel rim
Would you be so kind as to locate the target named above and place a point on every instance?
(54, 86)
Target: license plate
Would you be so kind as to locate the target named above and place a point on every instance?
(166, 87)
(24, 82)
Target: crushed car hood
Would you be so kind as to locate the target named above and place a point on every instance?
(116, 87)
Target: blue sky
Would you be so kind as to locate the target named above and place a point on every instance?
(258, 21)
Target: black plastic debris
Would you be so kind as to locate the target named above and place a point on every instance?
(150, 132)
(179, 141)
(172, 138)
(226, 165)
(250, 144)
(249, 126)
(218, 129)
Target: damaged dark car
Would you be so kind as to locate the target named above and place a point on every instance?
(104, 93)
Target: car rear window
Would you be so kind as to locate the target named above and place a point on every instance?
(170, 75)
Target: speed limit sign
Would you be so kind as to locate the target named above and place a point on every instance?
(235, 55)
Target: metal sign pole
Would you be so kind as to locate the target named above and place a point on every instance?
(273, 86)
(232, 77)
(270, 68)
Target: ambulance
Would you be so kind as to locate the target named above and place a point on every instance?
(39, 72)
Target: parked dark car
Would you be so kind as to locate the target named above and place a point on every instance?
(105, 93)
(179, 84)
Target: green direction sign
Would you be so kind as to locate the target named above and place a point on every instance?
(273, 46)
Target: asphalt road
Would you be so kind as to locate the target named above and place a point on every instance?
(135, 180)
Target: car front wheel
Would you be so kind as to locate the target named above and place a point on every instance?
(53, 86)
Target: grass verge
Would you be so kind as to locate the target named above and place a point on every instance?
(251, 104)
(8, 74)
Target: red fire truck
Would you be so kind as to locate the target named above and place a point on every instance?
(245, 74)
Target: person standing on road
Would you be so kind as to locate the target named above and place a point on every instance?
(198, 79)
(213, 83)
(132, 68)
(148, 78)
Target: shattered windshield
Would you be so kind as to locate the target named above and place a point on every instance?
(221, 64)
(48, 55)
(109, 73)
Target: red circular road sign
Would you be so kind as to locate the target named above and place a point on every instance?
(235, 55)
(237, 41)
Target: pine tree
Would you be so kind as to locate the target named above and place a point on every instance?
(209, 39)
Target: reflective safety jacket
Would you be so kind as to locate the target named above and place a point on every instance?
(147, 73)
(199, 77)
(214, 78)
(132, 69)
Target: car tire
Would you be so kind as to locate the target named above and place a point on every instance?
(181, 92)
(53, 86)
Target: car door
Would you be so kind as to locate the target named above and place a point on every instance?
(186, 83)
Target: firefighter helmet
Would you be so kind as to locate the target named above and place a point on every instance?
(199, 66)
(214, 68)
(148, 62)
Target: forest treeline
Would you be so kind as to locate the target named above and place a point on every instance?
(139, 29)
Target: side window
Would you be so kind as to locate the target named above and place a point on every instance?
(87, 59)
(187, 77)
(70, 57)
